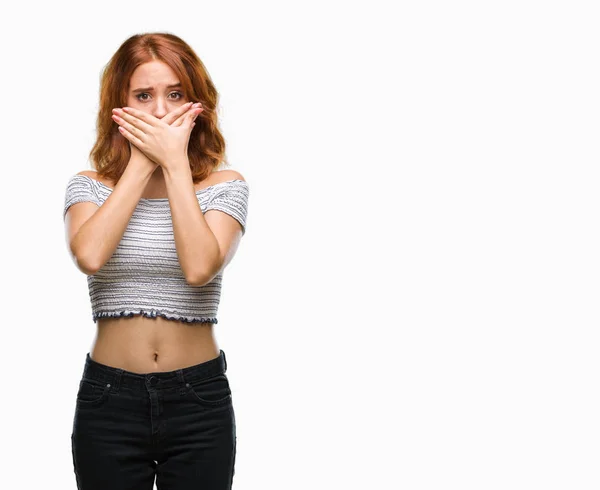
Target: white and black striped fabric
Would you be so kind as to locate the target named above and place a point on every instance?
(143, 276)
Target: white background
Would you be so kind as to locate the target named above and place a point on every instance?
(415, 302)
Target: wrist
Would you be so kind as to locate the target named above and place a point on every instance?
(141, 160)
(142, 167)
(177, 168)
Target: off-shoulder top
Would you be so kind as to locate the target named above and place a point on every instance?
(143, 276)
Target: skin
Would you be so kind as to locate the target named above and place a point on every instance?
(140, 344)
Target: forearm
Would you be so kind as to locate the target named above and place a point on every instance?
(99, 236)
(197, 248)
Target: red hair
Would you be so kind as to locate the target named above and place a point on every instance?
(206, 148)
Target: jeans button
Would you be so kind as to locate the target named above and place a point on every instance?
(153, 381)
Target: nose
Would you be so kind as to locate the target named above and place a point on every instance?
(160, 109)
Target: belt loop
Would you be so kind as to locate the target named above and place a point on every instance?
(224, 358)
(117, 379)
(181, 381)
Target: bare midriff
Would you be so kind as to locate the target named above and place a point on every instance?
(144, 345)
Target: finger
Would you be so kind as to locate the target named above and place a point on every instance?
(140, 119)
(182, 119)
(192, 118)
(134, 125)
(138, 133)
(174, 115)
(132, 139)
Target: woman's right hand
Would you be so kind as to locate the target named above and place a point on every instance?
(176, 117)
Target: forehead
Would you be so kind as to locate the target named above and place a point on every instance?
(153, 73)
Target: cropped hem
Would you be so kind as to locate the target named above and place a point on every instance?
(152, 314)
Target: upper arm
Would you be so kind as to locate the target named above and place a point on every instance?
(80, 203)
(226, 216)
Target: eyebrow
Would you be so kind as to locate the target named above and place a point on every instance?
(148, 89)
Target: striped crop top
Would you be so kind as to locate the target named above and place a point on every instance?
(143, 276)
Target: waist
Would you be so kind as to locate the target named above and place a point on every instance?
(142, 345)
(119, 378)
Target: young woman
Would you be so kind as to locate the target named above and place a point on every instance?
(153, 228)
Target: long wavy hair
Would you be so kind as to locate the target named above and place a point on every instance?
(206, 148)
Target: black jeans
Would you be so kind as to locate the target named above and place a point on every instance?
(176, 426)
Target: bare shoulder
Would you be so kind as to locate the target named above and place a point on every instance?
(225, 175)
(89, 173)
(92, 174)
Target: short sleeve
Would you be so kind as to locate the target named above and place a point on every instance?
(80, 188)
(231, 197)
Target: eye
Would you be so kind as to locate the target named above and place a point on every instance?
(139, 96)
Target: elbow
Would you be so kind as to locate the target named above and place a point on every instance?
(197, 280)
(86, 267)
(201, 279)
(205, 274)
(84, 262)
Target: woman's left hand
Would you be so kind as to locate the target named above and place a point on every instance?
(165, 144)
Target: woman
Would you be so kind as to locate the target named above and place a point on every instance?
(153, 229)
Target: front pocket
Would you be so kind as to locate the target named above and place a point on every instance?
(211, 392)
(92, 393)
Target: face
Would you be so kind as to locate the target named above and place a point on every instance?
(154, 89)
